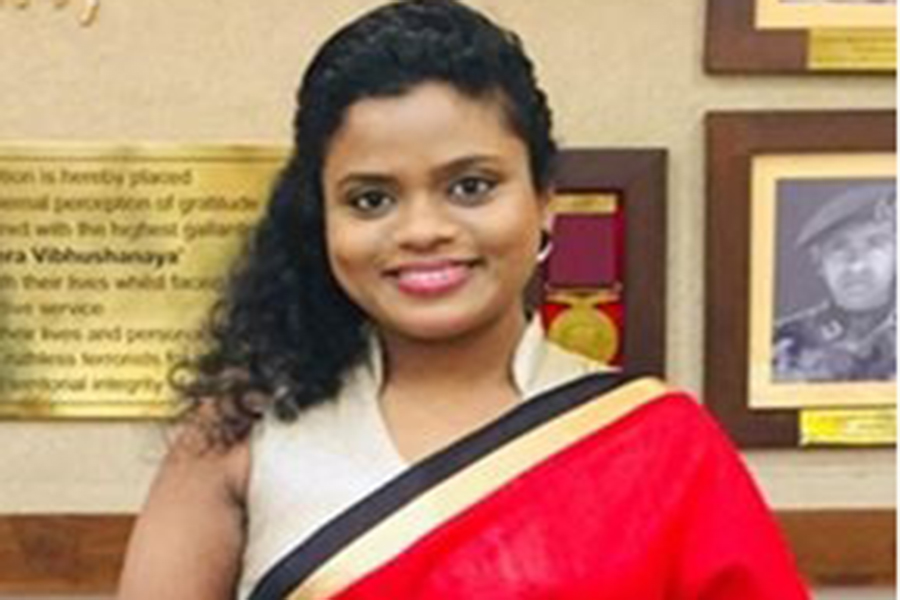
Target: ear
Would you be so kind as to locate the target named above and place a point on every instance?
(547, 214)
(815, 257)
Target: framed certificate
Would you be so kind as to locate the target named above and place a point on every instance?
(797, 36)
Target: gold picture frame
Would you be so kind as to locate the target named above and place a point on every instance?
(834, 14)
(771, 172)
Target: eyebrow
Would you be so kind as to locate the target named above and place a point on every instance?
(440, 173)
(362, 178)
(463, 163)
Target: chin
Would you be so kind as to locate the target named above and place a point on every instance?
(862, 303)
(432, 330)
(861, 307)
(436, 327)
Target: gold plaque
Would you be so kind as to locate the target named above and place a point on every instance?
(110, 257)
(848, 427)
(852, 49)
(572, 203)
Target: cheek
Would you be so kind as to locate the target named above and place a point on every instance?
(830, 270)
(344, 251)
(517, 240)
(886, 265)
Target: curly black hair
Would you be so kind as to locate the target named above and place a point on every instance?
(284, 332)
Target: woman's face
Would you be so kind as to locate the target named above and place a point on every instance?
(432, 219)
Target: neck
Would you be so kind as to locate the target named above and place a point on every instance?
(447, 367)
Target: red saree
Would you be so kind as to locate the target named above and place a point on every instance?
(598, 490)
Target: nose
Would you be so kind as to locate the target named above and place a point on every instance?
(424, 224)
(857, 263)
(857, 259)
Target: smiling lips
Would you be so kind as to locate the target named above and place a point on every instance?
(431, 278)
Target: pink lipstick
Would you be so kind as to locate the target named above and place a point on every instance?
(431, 279)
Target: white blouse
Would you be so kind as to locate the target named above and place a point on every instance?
(307, 472)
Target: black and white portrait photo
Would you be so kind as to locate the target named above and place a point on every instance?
(835, 274)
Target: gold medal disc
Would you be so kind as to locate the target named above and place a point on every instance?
(587, 331)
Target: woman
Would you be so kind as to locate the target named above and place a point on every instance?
(377, 418)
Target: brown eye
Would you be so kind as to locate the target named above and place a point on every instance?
(371, 202)
(472, 189)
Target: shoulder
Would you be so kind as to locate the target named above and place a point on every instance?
(195, 508)
(195, 452)
(810, 328)
(670, 444)
(672, 419)
(803, 320)
(673, 406)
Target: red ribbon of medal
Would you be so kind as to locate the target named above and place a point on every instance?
(583, 291)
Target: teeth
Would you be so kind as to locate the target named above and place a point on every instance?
(428, 277)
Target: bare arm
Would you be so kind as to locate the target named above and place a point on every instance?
(187, 542)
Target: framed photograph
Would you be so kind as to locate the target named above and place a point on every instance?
(796, 36)
(801, 272)
(823, 328)
(603, 285)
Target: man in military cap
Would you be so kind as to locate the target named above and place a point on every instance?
(852, 335)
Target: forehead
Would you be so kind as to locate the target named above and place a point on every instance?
(859, 231)
(430, 119)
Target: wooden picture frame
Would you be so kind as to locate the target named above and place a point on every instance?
(734, 141)
(798, 39)
(637, 177)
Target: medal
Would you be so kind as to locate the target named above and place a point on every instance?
(583, 281)
(584, 328)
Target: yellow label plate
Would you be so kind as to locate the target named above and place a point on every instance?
(852, 50)
(850, 427)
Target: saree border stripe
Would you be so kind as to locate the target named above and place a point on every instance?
(295, 566)
(451, 496)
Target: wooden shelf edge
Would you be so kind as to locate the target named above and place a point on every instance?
(82, 554)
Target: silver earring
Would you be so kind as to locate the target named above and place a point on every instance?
(546, 246)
